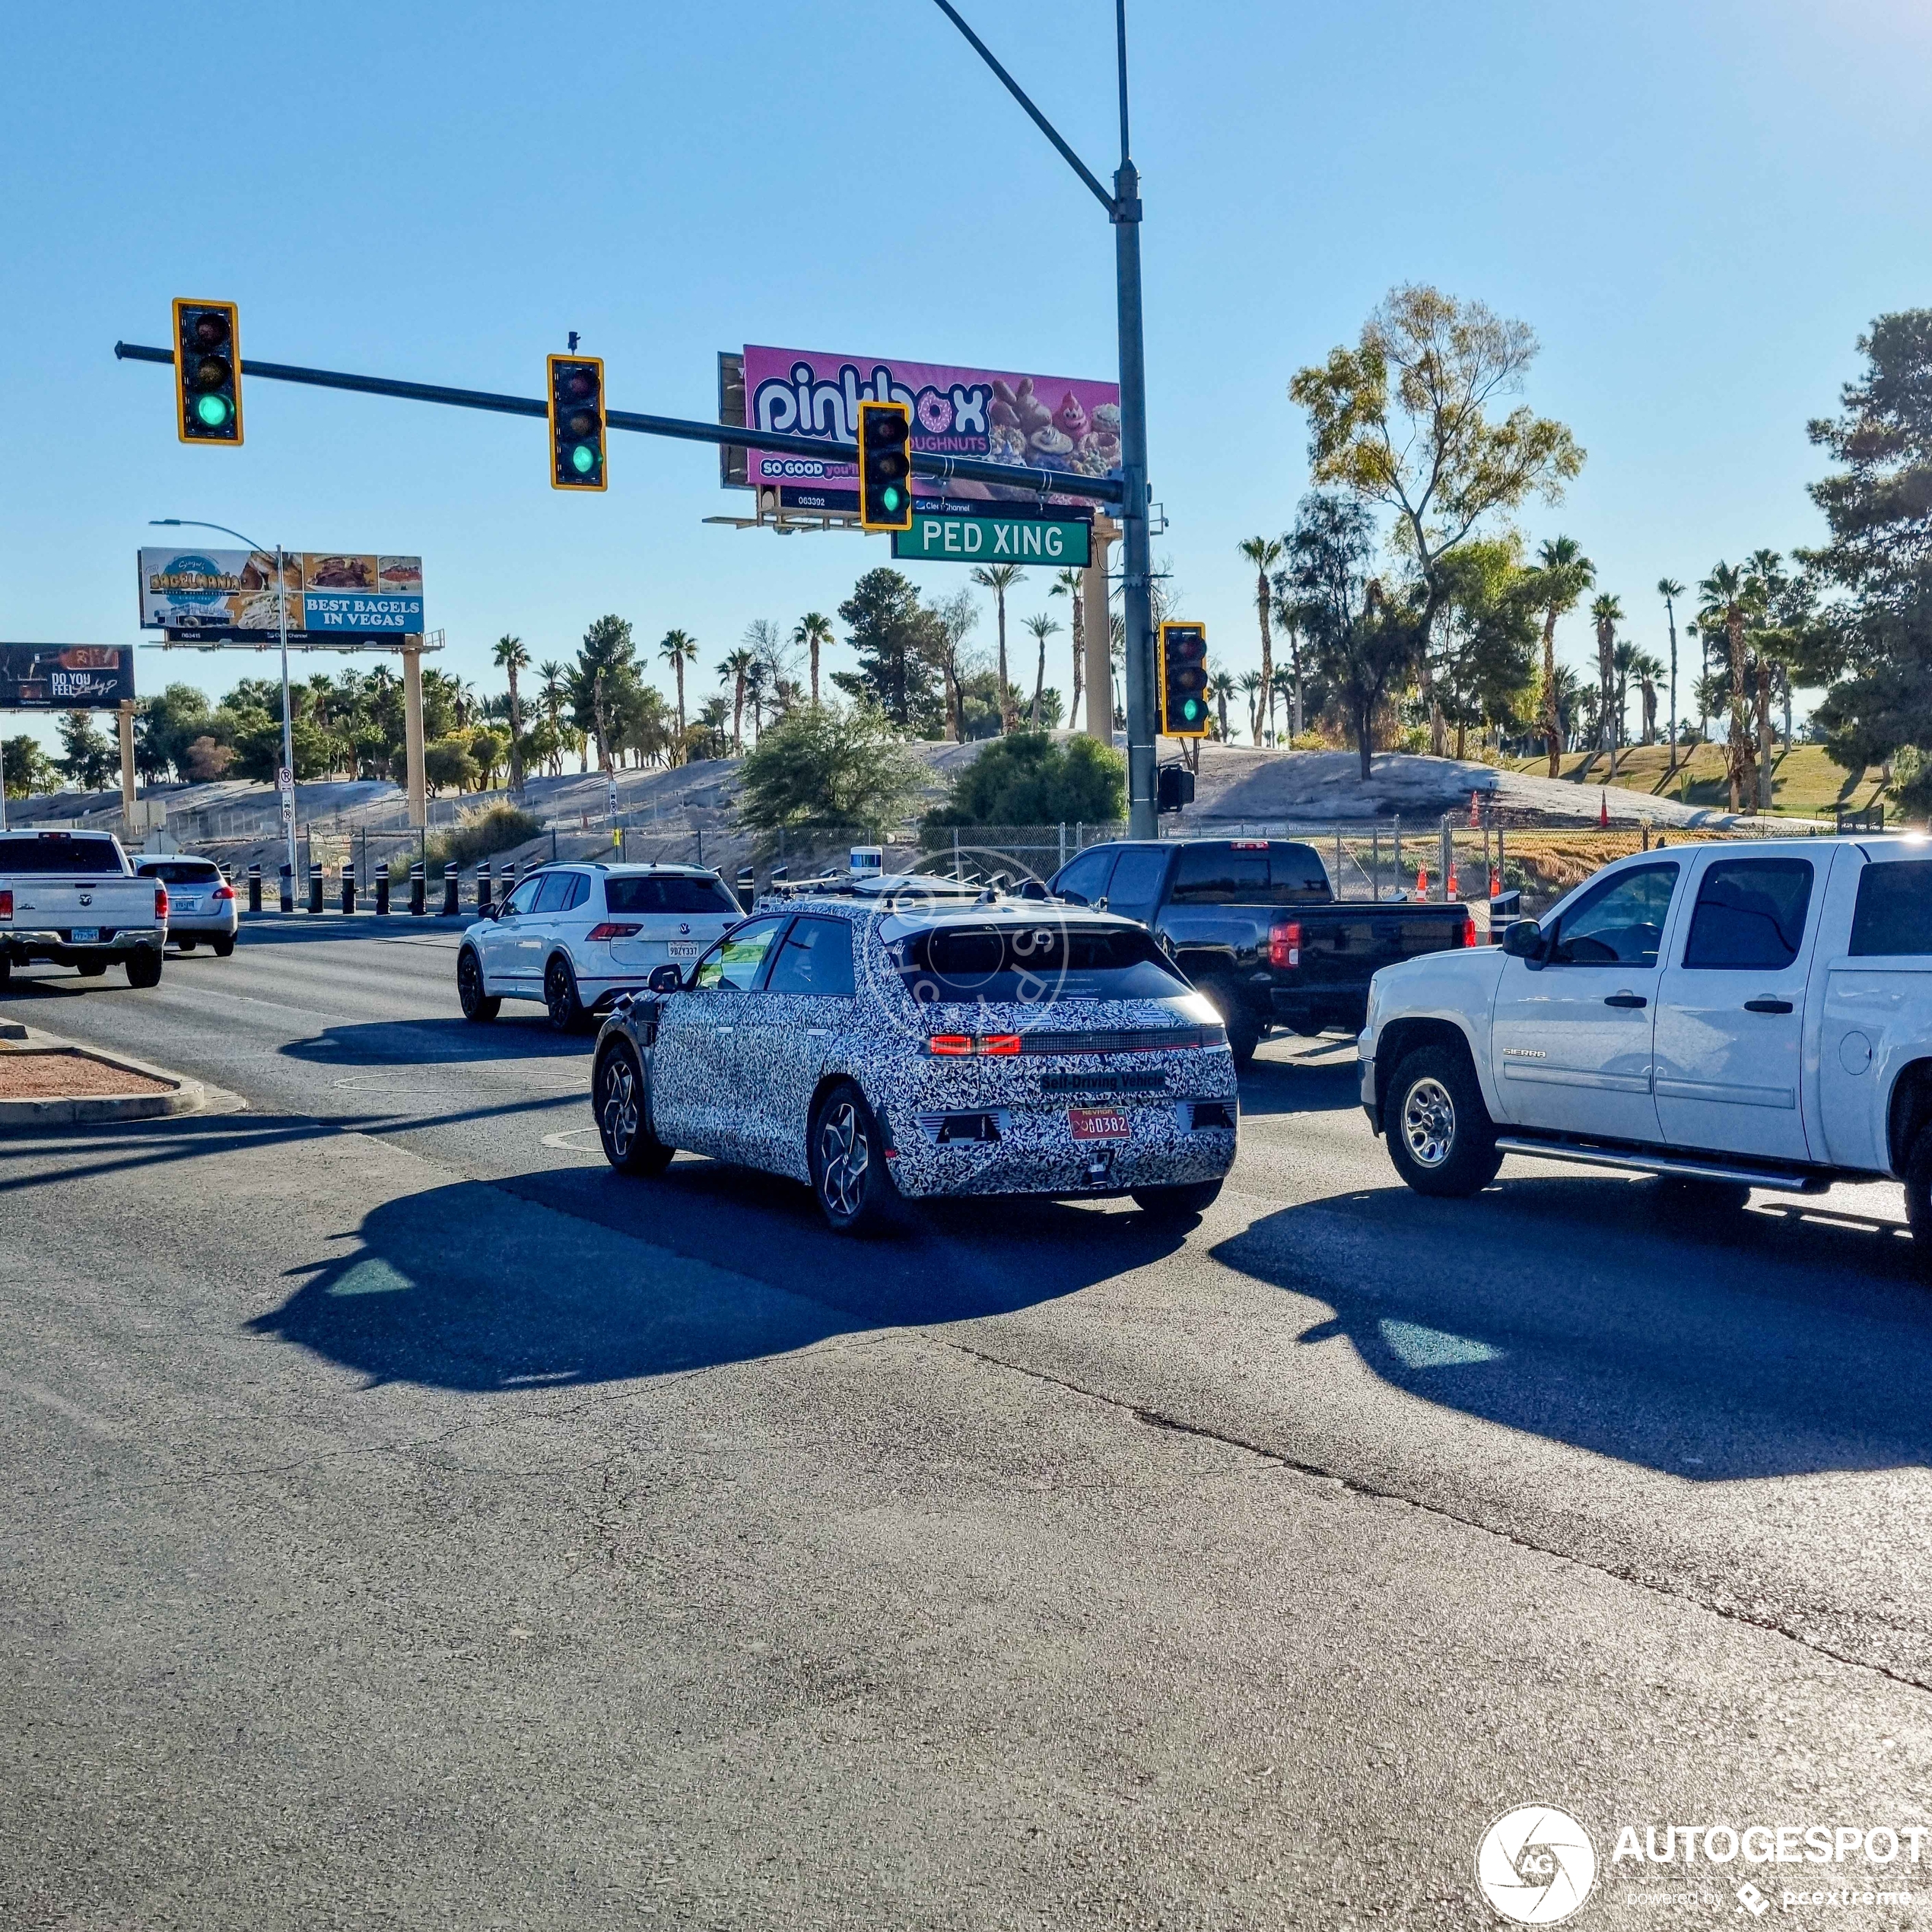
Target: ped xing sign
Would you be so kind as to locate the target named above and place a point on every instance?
(993, 540)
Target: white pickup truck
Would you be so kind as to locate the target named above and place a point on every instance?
(72, 898)
(1746, 1015)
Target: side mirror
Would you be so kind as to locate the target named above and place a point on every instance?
(665, 979)
(1523, 939)
(1071, 898)
(1031, 888)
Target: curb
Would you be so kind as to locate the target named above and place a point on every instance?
(98, 1110)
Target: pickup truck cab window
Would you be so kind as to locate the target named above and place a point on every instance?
(1750, 913)
(1135, 888)
(1297, 876)
(1085, 879)
(1619, 922)
(1221, 876)
(1893, 916)
(59, 852)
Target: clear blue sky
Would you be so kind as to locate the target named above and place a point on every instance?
(1697, 206)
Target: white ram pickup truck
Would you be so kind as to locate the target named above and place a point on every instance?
(1734, 1015)
(72, 898)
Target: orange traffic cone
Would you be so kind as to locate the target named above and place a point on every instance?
(1454, 889)
(1495, 882)
(1475, 809)
(1603, 809)
(1421, 883)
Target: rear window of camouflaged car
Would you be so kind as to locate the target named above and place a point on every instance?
(673, 893)
(43, 852)
(1032, 965)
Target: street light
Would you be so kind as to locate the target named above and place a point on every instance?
(281, 620)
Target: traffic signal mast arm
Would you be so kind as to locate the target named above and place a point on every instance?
(1048, 482)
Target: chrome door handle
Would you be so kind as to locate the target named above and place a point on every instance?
(816, 1032)
(723, 1031)
(1766, 1005)
(1629, 999)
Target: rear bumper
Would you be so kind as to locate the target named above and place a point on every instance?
(198, 925)
(57, 948)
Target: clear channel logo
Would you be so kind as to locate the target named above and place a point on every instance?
(1536, 1865)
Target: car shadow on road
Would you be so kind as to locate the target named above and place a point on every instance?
(449, 1041)
(1321, 1077)
(1751, 1344)
(547, 1279)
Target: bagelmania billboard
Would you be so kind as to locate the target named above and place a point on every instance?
(1002, 416)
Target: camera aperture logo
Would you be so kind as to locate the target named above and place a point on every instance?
(1536, 1865)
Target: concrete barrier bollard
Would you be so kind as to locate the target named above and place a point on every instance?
(349, 887)
(452, 886)
(255, 886)
(483, 887)
(314, 886)
(418, 891)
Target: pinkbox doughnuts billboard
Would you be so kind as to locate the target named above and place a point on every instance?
(1041, 422)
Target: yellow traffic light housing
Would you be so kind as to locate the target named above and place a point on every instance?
(1183, 680)
(576, 391)
(885, 467)
(207, 372)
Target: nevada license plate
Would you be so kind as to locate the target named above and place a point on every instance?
(1099, 1123)
(86, 935)
(684, 948)
(186, 905)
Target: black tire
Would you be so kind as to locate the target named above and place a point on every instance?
(1918, 1202)
(618, 1097)
(223, 948)
(855, 1192)
(1178, 1203)
(144, 966)
(1440, 1137)
(477, 1006)
(6, 968)
(186, 945)
(1244, 1029)
(559, 1000)
(91, 969)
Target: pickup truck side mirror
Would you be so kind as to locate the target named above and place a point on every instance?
(1523, 939)
(665, 979)
(1072, 898)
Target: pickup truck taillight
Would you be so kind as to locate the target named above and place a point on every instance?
(1468, 932)
(160, 903)
(6, 905)
(611, 930)
(1284, 945)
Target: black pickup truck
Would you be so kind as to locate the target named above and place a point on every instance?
(1256, 925)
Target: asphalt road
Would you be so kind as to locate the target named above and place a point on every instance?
(412, 1522)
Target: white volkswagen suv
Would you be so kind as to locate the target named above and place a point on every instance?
(577, 936)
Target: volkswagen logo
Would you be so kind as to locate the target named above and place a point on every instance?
(684, 929)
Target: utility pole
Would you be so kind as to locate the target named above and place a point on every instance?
(1123, 210)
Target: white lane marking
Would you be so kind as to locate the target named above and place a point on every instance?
(572, 1139)
(47, 1398)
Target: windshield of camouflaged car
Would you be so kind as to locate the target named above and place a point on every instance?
(1032, 965)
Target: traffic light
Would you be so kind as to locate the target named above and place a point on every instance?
(1183, 680)
(1173, 787)
(576, 422)
(885, 467)
(207, 372)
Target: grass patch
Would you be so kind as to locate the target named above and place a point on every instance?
(482, 834)
(1805, 781)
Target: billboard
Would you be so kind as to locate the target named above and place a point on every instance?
(230, 595)
(65, 677)
(1044, 422)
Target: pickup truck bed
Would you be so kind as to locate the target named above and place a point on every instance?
(1256, 925)
(72, 898)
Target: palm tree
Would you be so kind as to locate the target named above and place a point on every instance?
(1623, 662)
(1563, 573)
(757, 677)
(1249, 687)
(511, 657)
(1724, 590)
(1765, 583)
(1669, 590)
(1221, 688)
(1043, 627)
(1068, 583)
(733, 669)
(1264, 553)
(1608, 614)
(814, 632)
(678, 649)
(1288, 616)
(1647, 670)
(551, 695)
(1000, 578)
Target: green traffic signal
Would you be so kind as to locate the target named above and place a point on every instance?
(891, 498)
(212, 410)
(583, 459)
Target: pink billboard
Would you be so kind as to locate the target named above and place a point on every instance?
(1044, 422)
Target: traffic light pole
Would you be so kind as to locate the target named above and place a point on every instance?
(1123, 207)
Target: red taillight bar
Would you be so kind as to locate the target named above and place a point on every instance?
(964, 1046)
(6, 905)
(611, 930)
(160, 903)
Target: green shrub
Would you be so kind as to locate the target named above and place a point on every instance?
(827, 764)
(1029, 779)
(477, 834)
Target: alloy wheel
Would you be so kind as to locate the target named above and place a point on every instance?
(844, 1160)
(618, 1115)
(1428, 1122)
